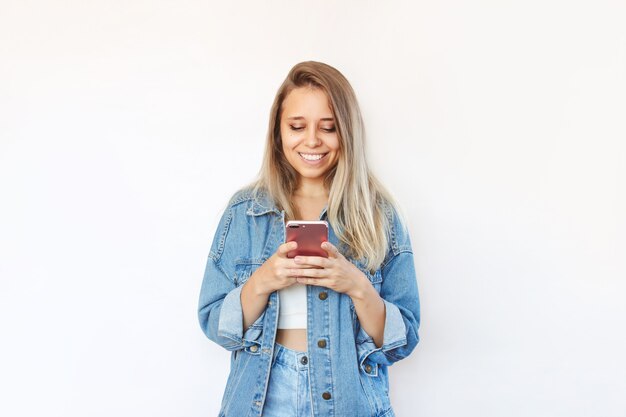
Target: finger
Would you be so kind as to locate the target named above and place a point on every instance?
(331, 250)
(320, 282)
(309, 273)
(284, 262)
(292, 272)
(290, 281)
(285, 248)
(312, 260)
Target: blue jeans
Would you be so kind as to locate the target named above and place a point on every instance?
(288, 392)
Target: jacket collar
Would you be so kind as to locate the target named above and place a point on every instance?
(262, 204)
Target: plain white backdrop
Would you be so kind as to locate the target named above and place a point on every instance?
(125, 126)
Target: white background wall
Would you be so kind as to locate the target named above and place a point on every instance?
(499, 125)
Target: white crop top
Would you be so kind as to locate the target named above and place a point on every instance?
(292, 306)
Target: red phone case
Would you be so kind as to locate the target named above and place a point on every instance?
(309, 235)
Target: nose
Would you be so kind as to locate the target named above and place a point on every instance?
(311, 139)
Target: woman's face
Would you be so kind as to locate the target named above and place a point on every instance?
(309, 135)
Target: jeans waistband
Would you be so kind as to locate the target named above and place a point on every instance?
(293, 359)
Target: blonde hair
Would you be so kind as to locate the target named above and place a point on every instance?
(357, 201)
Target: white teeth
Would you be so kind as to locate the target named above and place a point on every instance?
(312, 156)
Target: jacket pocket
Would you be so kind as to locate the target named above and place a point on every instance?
(375, 278)
(244, 268)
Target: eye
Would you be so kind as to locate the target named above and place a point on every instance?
(328, 129)
(296, 128)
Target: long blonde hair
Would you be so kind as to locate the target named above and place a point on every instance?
(356, 201)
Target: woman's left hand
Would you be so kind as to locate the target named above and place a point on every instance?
(334, 272)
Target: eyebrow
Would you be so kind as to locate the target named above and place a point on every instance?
(324, 119)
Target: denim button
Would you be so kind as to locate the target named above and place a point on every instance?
(321, 343)
(368, 368)
(326, 395)
(254, 348)
(323, 295)
(304, 360)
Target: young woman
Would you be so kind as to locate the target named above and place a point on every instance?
(311, 336)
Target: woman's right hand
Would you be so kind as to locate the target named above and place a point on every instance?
(276, 272)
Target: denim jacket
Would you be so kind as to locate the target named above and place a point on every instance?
(349, 366)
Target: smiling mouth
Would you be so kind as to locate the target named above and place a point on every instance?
(312, 156)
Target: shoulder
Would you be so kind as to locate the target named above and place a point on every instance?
(233, 225)
(251, 200)
(241, 196)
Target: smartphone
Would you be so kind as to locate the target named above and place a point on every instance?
(309, 235)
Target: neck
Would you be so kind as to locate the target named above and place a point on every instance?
(311, 189)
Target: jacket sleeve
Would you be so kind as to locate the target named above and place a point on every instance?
(219, 307)
(402, 310)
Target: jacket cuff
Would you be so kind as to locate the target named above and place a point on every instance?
(231, 321)
(394, 336)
